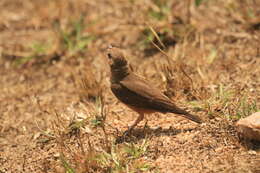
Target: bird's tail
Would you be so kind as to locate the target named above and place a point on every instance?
(192, 117)
(187, 115)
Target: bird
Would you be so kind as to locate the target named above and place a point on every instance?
(136, 92)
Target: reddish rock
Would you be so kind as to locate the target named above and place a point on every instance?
(249, 127)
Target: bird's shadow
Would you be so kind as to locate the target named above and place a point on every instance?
(142, 133)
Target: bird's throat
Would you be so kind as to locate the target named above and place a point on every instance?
(118, 74)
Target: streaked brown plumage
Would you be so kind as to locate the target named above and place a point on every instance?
(136, 92)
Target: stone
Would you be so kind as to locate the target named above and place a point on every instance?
(249, 127)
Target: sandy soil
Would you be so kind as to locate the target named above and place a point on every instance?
(41, 93)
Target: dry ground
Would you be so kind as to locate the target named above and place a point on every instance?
(57, 113)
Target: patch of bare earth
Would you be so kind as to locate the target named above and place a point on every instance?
(50, 123)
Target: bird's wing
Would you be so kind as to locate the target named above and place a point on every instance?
(143, 88)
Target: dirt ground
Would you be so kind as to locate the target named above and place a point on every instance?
(57, 113)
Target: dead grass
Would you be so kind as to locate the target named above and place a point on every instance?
(58, 114)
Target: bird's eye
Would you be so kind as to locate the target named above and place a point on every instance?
(109, 55)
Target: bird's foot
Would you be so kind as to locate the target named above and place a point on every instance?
(124, 136)
(127, 132)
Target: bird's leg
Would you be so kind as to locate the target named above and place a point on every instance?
(145, 125)
(140, 118)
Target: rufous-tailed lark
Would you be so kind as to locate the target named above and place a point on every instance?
(137, 93)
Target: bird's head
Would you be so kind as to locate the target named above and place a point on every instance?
(116, 57)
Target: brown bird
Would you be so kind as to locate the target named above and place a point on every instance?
(137, 93)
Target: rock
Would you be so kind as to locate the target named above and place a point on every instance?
(249, 127)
